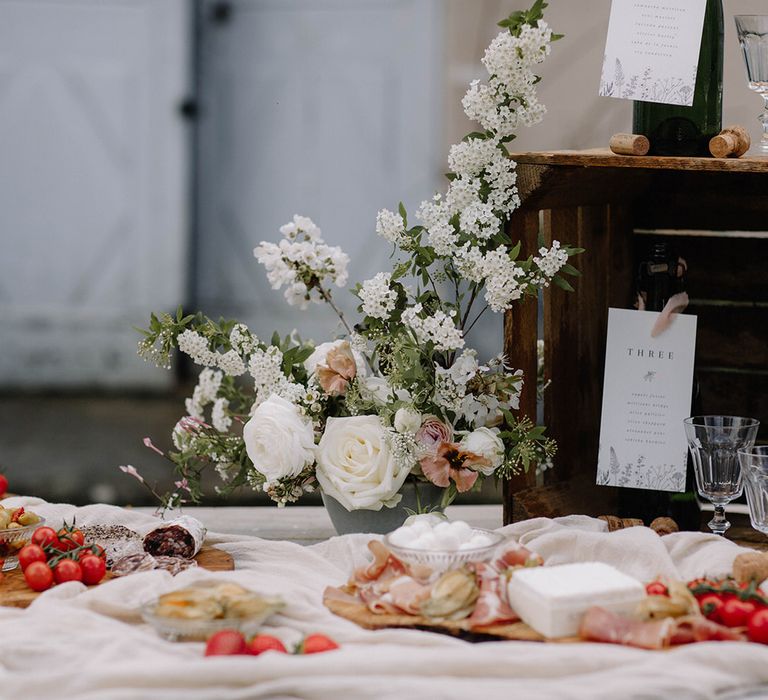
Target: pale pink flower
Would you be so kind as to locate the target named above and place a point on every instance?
(432, 433)
(339, 369)
(131, 471)
(183, 484)
(451, 462)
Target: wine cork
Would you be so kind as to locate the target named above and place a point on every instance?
(630, 144)
(731, 142)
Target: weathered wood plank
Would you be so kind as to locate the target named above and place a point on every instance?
(604, 158)
(520, 336)
(731, 336)
(561, 344)
(735, 393)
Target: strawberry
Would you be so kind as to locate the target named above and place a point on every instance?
(316, 643)
(265, 642)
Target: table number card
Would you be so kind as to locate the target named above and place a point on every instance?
(652, 50)
(646, 396)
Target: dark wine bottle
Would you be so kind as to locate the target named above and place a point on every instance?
(676, 130)
(660, 276)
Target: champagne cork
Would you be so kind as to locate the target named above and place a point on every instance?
(630, 144)
(731, 142)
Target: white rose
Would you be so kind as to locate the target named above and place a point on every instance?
(355, 465)
(486, 443)
(407, 420)
(278, 439)
(320, 354)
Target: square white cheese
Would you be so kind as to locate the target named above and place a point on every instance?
(553, 599)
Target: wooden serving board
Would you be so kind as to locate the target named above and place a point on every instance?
(15, 593)
(361, 615)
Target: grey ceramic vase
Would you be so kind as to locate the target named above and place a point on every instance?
(387, 519)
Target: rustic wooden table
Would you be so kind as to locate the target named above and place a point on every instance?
(605, 203)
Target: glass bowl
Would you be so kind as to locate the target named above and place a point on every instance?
(12, 540)
(182, 629)
(444, 559)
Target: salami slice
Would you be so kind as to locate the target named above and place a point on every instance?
(182, 537)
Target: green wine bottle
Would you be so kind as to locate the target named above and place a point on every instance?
(676, 130)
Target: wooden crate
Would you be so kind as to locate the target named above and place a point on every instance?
(716, 211)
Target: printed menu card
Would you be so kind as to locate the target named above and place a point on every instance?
(652, 50)
(646, 396)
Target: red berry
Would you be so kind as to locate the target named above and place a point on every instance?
(226, 643)
(757, 627)
(3, 485)
(316, 643)
(265, 642)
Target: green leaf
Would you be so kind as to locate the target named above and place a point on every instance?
(515, 251)
(403, 213)
(563, 284)
(481, 135)
(275, 339)
(569, 269)
(557, 37)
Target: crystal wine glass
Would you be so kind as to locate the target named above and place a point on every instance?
(754, 466)
(714, 442)
(753, 37)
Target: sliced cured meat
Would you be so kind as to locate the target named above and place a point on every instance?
(385, 565)
(491, 606)
(133, 564)
(511, 554)
(174, 565)
(182, 537)
(408, 594)
(601, 625)
(695, 628)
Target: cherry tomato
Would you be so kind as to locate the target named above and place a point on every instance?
(93, 568)
(30, 553)
(70, 539)
(757, 627)
(226, 643)
(45, 536)
(265, 642)
(736, 613)
(3, 485)
(38, 576)
(316, 643)
(710, 605)
(656, 588)
(67, 570)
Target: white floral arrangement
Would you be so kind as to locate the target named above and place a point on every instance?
(399, 396)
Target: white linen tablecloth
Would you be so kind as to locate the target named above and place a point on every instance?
(87, 643)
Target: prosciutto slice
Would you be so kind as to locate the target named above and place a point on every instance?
(491, 606)
(385, 565)
(511, 555)
(600, 625)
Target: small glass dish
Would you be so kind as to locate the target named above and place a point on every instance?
(12, 540)
(444, 559)
(218, 594)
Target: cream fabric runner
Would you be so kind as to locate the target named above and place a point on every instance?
(81, 643)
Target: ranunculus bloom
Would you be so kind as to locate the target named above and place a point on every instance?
(339, 369)
(451, 462)
(355, 465)
(407, 420)
(432, 433)
(334, 364)
(486, 443)
(278, 439)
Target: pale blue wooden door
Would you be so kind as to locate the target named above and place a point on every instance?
(93, 174)
(327, 108)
